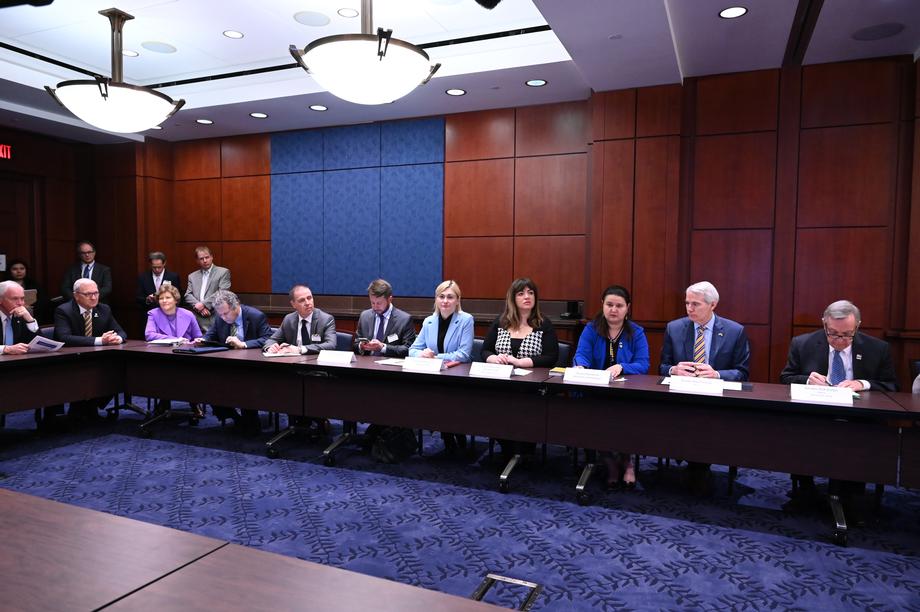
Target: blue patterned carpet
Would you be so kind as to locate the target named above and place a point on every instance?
(440, 523)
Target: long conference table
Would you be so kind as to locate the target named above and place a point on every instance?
(874, 440)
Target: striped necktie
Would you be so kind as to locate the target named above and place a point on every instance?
(88, 323)
(699, 346)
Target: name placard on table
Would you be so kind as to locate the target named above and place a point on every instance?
(491, 370)
(692, 384)
(820, 394)
(586, 376)
(422, 365)
(340, 358)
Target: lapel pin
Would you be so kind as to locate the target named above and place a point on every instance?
(858, 357)
(721, 334)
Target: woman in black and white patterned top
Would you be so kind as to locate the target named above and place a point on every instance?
(521, 336)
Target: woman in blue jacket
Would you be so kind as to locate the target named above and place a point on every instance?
(446, 334)
(614, 343)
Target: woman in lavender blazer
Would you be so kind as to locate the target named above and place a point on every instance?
(170, 321)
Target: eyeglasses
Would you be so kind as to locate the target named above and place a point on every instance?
(89, 293)
(836, 336)
(87, 252)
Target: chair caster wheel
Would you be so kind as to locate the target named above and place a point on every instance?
(583, 499)
(503, 486)
(272, 453)
(840, 538)
(329, 460)
(193, 422)
(145, 433)
(111, 415)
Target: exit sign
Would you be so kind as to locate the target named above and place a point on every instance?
(6, 151)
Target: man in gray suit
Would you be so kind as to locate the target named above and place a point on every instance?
(203, 284)
(306, 331)
(383, 329)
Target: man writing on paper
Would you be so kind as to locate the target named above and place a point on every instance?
(16, 322)
(239, 327)
(837, 355)
(383, 329)
(708, 346)
(203, 284)
(149, 282)
(84, 321)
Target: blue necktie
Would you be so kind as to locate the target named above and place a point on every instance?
(838, 373)
(85, 271)
(8, 332)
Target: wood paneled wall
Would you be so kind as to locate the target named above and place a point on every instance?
(515, 199)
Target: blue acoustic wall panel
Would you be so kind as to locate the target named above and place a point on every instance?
(353, 146)
(411, 227)
(351, 202)
(418, 141)
(297, 231)
(297, 151)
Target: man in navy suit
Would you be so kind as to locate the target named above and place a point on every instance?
(707, 346)
(239, 327)
(837, 355)
(148, 283)
(89, 268)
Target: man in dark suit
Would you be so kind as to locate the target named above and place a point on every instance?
(89, 268)
(383, 329)
(306, 331)
(238, 327)
(837, 355)
(707, 346)
(148, 283)
(84, 321)
(17, 325)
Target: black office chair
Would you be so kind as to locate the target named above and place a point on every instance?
(565, 350)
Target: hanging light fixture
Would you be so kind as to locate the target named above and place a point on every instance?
(110, 104)
(366, 68)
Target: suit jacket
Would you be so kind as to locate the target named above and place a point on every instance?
(101, 274)
(729, 352)
(255, 328)
(158, 327)
(145, 287)
(220, 279)
(68, 324)
(321, 324)
(399, 323)
(458, 343)
(871, 360)
(21, 332)
(632, 352)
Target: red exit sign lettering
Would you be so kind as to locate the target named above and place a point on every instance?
(6, 151)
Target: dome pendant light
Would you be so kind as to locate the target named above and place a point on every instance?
(366, 68)
(111, 104)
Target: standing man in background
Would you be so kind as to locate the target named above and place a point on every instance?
(149, 282)
(203, 284)
(89, 268)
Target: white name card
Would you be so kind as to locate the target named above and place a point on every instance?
(340, 358)
(820, 394)
(585, 376)
(692, 384)
(422, 364)
(491, 370)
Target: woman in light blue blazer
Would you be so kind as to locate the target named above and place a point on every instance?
(446, 334)
(614, 343)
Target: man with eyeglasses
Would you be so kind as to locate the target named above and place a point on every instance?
(89, 268)
(84, 321)
(838, 356)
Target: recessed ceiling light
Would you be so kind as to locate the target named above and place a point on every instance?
(455, 92)
(129, 53)
(535, 83)
(204, 121)
(233, 34)
(878, 32)
(156, 127)
(318, 108)
(158, 47)
(311, 18)
(347, 12)
(732, 12)
(258, 115)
